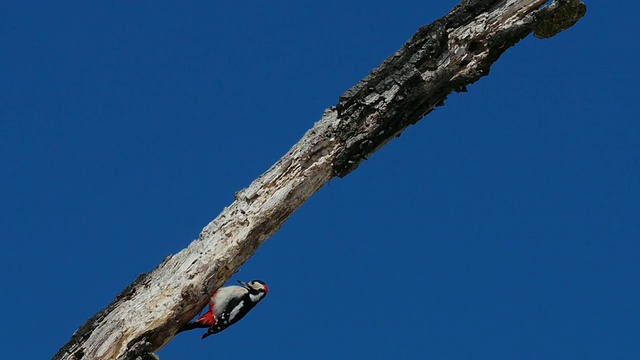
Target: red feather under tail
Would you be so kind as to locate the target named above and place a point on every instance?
(204, 321)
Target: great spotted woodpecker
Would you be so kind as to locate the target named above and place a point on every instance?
(228, 305)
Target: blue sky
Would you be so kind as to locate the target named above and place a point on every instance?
(505, 225)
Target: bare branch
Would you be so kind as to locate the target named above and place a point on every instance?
(440, 58)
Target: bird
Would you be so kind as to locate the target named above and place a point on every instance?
(228, 305)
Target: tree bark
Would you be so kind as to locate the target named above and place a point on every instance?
(445, 56)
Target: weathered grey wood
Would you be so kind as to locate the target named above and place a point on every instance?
(440, 58)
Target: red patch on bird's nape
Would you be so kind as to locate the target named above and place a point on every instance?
(207, 319)
(266, 289)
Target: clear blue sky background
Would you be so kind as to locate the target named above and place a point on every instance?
(505, 225)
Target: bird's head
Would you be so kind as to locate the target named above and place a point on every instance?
(257, 289)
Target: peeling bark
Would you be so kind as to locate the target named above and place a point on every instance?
(440, 58)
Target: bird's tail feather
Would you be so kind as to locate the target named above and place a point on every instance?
(191, 326)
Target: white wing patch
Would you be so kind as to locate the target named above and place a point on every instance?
(235, 310)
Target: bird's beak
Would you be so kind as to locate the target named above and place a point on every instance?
(243, 284)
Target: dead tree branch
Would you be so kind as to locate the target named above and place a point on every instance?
(440, 58)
